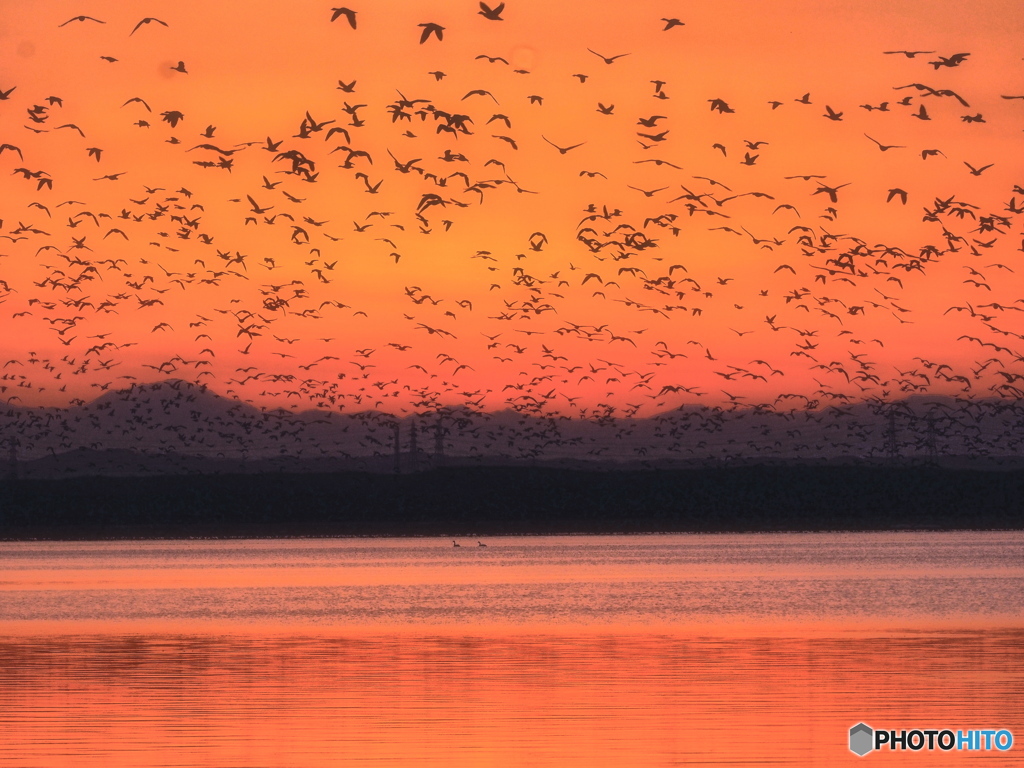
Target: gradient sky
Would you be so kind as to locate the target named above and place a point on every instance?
(558, 281)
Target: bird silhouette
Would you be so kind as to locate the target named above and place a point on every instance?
(144, 22)
(431, 29)
(492, 14)
(908, 54)
(562, 150)
(348, 13)
(81, 18)
(978, 171)
(607, 59)
(885, 147)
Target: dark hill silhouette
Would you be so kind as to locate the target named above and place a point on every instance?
(174, 459)
(175, 427)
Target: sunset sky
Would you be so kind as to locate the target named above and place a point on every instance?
(300, 213)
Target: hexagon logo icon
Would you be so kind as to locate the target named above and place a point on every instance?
(861, 739)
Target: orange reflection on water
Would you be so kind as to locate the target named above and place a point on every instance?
(589, 651)
(591, 699)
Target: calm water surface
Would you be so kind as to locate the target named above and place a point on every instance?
(638, 650)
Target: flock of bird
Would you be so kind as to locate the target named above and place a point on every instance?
(178, 427)
(381, 257)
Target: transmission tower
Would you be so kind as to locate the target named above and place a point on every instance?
(413, 447)
(398, 448)
(891, 448)
(930, 439)
(439, 443)
(12, 465)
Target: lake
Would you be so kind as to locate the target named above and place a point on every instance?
(530, 651)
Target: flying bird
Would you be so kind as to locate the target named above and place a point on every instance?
(830, 191)
(978, 171)
(348, 13)
(494, 14)
(908, 54)
(902, 193)
(147, 20)
(885, 147)
(950, 61)
(81, 18)
(607, 59)
(562, 150)
(431, 29)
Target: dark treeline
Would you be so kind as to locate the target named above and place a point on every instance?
(514, 500)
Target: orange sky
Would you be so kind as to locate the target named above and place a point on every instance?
(305, 305)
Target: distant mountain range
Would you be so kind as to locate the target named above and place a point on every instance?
(174, 427)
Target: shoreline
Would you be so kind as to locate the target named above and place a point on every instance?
(503, 501)
(83, 632)
(263, 533)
